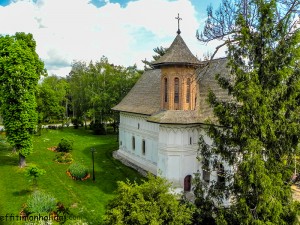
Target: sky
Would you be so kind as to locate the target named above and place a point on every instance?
(125, 31)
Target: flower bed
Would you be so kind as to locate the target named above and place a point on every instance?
(78, 172)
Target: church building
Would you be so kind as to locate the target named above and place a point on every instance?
(164, 114)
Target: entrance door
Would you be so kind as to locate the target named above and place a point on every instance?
(187, 183)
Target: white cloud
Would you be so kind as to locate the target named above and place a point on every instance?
(67, 30)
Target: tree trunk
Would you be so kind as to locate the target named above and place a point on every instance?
(14, 150)
(22, 160)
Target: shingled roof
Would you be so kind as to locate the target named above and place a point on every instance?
(144, 98)
(177, 54)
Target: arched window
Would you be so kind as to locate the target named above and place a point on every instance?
(176, 90)
(187, 183)
(133, 143)
(188, 90)
(166, 90)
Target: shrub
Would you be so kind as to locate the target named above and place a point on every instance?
(98, 127)
(77, 122)
(63, 157)
(65, 145)
(34, 172)
(149, 201)
(38, 219)
(40, 202)
(78, 171)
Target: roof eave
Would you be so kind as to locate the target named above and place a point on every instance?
(159, 65)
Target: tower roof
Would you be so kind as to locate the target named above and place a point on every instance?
(177, 54)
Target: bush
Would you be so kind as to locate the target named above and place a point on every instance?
(77, 122)
(63, 157)
(65, 145)
(40, 202)
(149, 201)
(34, 172)
(38, 219)
(98, 127)
(78, 171)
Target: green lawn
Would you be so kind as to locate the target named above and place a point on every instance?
(86, 199)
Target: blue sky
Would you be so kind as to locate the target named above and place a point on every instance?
(124, 31)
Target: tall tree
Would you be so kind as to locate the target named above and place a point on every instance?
(259, 129)
(20, 71)
(52, 98)
(96, 88)
(160, 51)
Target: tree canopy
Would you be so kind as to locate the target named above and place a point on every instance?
(160, 51)
(148, 203)
(97, 87)
(258, 132)
(20, 71)
(52, 98)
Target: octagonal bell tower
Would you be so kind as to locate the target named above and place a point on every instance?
(178, 76)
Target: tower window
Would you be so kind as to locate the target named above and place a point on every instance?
(144, 147)
(188, 90)
(176, 90)
(166, 90)
(133, 143)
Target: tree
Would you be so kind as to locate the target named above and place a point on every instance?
(160, 51)
(34, 172)
(52, 98)
(77, 80)
(258, 130)
(20, 71)
(148, 203)
(96, 88)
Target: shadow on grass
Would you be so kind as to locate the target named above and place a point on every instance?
(108, 170)
(8, 159)
(22, 192)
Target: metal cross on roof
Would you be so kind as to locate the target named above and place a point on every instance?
(178, 18)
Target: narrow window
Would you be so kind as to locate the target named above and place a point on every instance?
(133, 143)
(144, 147)
(166, 90)
(176, 90)
(190, 140)
(188, 90)
(205, 170)
(138, 125)
(221, 174)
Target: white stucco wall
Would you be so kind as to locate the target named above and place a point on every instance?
(134, 125)
(177, 152)
(170, 150)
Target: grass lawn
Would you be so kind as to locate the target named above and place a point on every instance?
(85, 199)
